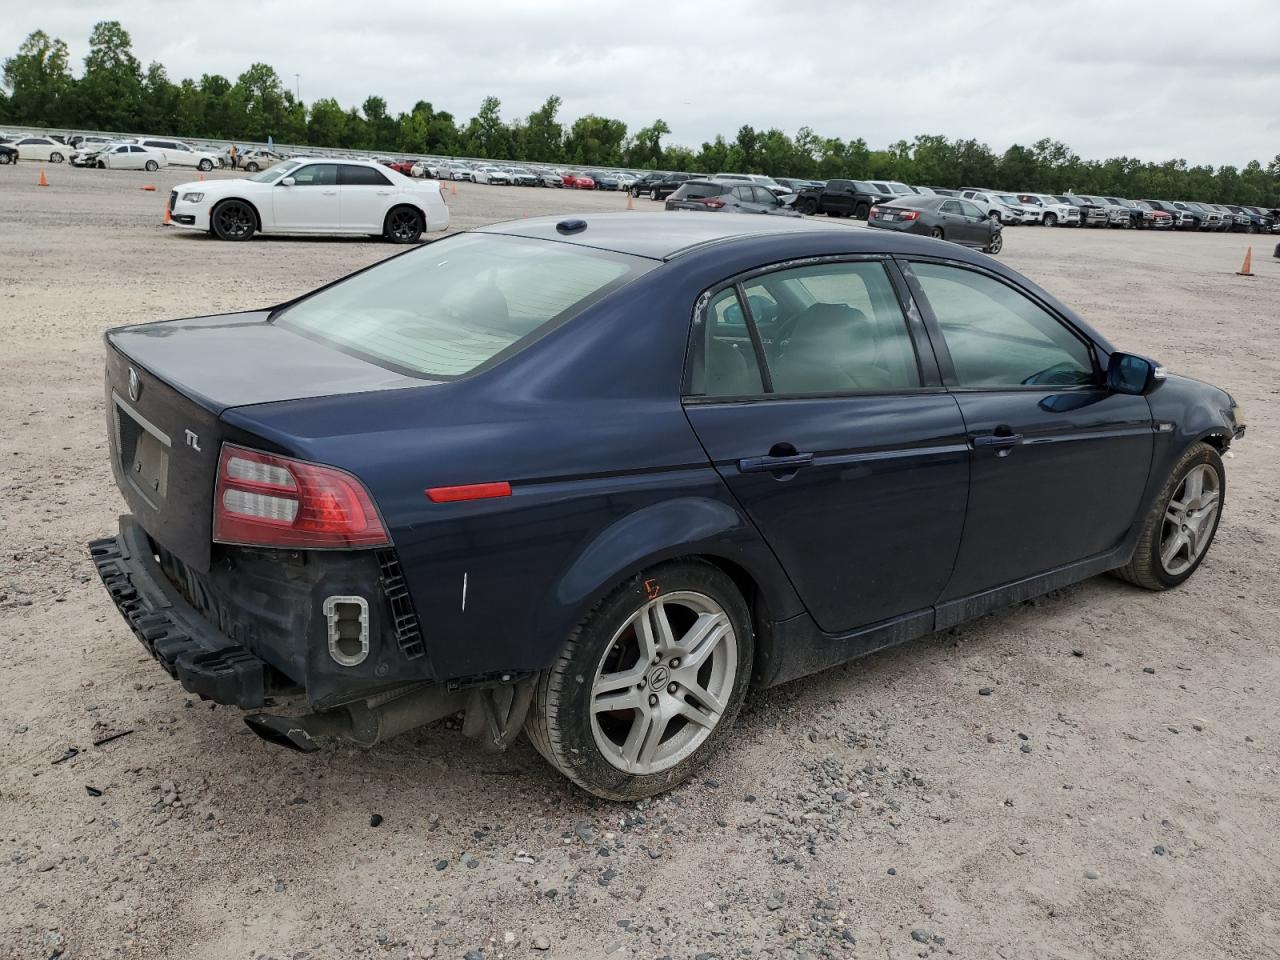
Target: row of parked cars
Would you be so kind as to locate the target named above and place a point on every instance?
(858, 198)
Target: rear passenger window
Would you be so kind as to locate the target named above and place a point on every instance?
(840, 329)
(353, 176)
(999, 338)
(731, 367)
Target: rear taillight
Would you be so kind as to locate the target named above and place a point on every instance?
(713, 203)
(272, 501)
(911, 215)
(875, 212)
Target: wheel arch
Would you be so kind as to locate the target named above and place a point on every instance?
(420, 209)
(686, 528)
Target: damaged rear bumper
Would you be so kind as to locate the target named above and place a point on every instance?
(182, 641)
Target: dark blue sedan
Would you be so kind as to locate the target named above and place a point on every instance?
(593, 478)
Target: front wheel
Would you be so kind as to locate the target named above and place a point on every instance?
(233, 220)
(55, 157)
(1050, 220)
(404, 225)
(152, 166)
(1181, 525)
(648, 686)
(995, 245)
(936, 233)
(4, 159)
(205, 166)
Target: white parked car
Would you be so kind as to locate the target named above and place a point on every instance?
(180, 155)
(491, 175)
(255, 160)
(129, 156)
(41, 148)
(1053, 212)
(993, 206)
(319, 195)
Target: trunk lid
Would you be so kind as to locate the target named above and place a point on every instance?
(167, 386)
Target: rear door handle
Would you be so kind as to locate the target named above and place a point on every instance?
(775, 464)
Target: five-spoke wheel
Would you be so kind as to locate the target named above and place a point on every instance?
(233, 220)
(649, 684)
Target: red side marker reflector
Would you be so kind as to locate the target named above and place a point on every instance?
(469, 491)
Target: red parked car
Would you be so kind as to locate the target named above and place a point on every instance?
(399, 166)
(578, 181)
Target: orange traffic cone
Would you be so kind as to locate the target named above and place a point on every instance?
(1247, 269)
(202, 176)
(453, 189)
(167, 218)
(150, 188)
(630, 205)
(43, 181)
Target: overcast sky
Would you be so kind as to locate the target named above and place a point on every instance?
(1153, 79)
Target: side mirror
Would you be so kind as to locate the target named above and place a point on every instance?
(1132, 374)
(288, 182)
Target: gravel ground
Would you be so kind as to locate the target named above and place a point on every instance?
(1115, 796)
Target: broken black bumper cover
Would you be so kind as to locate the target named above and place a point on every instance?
(198, 656)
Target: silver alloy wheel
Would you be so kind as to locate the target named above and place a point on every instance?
(1189, 520)
(996, 244)
(663, 682)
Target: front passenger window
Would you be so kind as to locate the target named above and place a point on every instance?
(999, 338)
(316, 175)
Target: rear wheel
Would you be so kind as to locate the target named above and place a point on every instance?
(205, 165)
(252, 166)
(648, 686)
(404, 225)
(1178, 531)
(996, 244)
(233, 220)
(4, 159)
(936, 233)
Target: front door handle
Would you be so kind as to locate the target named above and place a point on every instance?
(775, 464)
(1001, 443)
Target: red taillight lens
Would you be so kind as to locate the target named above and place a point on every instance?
(713, 203)
(272, 501)
(875, 211)
(911, 215)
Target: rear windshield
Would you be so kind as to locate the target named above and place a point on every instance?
(446, 309)
(700, 190)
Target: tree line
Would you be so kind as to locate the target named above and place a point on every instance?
(114, 92)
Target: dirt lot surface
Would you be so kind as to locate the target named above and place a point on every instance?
(1089, 807)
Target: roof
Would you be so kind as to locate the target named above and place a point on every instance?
(660, 236)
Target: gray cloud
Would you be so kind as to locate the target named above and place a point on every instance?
(1144, 78)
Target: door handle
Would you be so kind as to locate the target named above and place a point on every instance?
(329, 193)
(1000, 441)
(775, 464)
(384, 193)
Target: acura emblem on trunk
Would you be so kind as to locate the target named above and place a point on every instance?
(135, 385)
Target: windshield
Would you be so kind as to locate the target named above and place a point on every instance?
(1007, 198)
(269, 174)
(452, 306)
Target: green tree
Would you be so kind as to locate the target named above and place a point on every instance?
(595, 141)
(544, 135)
(110, 94)
(39, 80)
(259, 96)
(327, 122)
(645, 148)
(380, 128)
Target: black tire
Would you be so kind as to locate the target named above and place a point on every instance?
(861, 211)
(653, 193)
(205, 166)
(102, 164)
(55, 157)
(4, 159)
(403, 225)
(151, 166)
(1050, 219)
(233, 220)
(995, 245)
(937, 233)
(251, 166)
(1145, 568)
(559, 724)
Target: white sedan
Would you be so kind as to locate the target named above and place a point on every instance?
(320, 195)
(180, 155)
(129, 156)
(41, 148)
